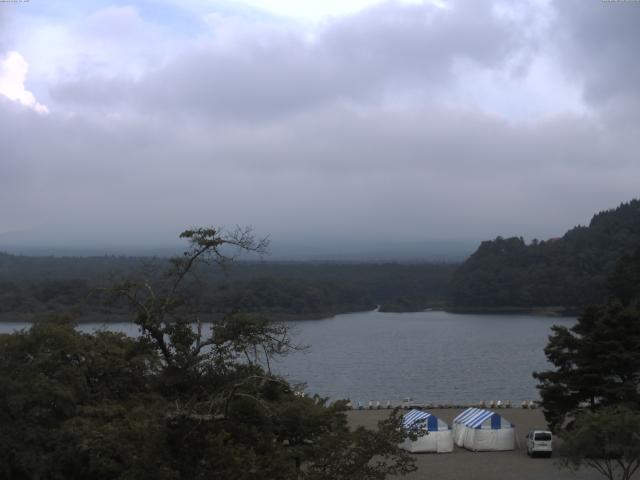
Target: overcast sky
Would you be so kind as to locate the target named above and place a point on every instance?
(406, 120)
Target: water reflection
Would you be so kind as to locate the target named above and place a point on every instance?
(431, 356)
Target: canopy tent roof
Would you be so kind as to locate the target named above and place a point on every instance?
(418, 419)
(434, 435)
(476, 417)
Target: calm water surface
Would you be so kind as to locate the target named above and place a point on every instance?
(434, 357)
(431, 356)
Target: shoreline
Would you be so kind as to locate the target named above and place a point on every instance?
(553, 311)
(107, 318)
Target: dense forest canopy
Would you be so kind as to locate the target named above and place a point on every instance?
(591, 394)
(31, 285)
(570, 271)
(176, 402)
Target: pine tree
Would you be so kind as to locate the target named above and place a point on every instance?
(597, 361)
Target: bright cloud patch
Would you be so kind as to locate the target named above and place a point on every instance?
(321, 10)
(13, 72)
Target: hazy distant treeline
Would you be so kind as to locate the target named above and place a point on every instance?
(31, 285)
(571, 271)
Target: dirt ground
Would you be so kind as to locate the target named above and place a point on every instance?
(466, 465)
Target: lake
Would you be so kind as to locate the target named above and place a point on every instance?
(431, 356)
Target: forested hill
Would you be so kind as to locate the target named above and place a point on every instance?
(571, 271)
(42, 285)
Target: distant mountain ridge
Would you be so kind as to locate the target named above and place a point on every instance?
(570, 271)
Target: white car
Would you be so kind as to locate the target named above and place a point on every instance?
(539, 442)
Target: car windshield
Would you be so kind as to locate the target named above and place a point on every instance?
(542, 437)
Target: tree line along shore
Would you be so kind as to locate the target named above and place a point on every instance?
(178, 402)
(559, 276)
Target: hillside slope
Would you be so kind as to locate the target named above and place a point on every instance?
(571, 271)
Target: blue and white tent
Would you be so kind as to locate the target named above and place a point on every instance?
(435, 434)
(483, 430)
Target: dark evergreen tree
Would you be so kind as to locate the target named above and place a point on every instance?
(624, 283)
(597, 361)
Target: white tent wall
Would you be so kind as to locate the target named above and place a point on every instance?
(438, 436)
(483, 430)
(426, 443)
(458, 434)
(458, 425)
(438, 442)
(444, 442)
(481, 439)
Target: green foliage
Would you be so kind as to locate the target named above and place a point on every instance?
(592, 397)
(58, 386)
(597, 361)
(375, 457)
(287, 290)
(570, 271)
(176, 402)
(289, 296)
(624, 283)
(607, 440)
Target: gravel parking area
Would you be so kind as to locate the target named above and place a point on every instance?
(466, 465)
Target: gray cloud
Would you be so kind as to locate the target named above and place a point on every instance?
(4, 21)
(359, 58)
(345, 132)
(599, 41)
(405, 172)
